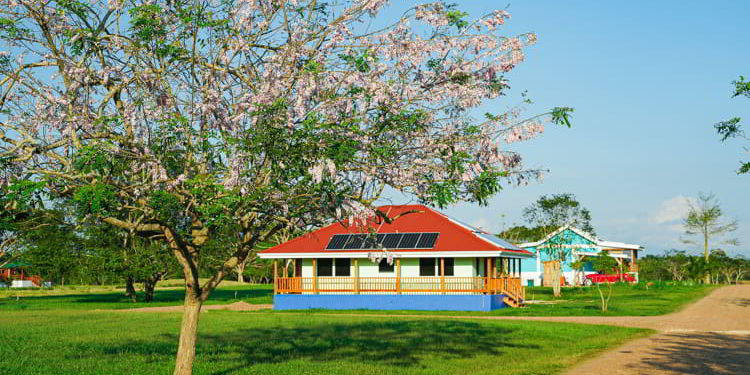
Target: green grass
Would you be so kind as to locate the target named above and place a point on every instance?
(106, 342)
(627, 299)
(69, 331)
(83, 299)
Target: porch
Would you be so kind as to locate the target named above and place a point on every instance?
(15, 272)
(510, 288)
(499, 277)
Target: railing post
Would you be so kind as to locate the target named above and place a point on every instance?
(442, 275)
(488, 270)
(275, 277)
(398, 276)
(315, 275)
(356, 276)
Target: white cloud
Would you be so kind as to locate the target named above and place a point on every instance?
(672, 210)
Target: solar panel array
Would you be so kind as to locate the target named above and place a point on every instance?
(386, 240)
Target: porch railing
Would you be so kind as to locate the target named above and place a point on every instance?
(401, 285)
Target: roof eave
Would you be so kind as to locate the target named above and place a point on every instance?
(401, 254)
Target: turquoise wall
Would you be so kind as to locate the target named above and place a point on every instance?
(568, 237)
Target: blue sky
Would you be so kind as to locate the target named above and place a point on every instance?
(647, 81)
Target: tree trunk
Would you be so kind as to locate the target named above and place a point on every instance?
(188, 336)
(240, 270)
(150, 284)
(707, 278)
(601, 296)
(130, 290)
(148, 289)
(556, 282)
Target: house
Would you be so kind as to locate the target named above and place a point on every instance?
(436, 263)
(580, 244)
(16, 275)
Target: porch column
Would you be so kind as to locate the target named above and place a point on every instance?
(356, 276)
(315, 275)
(442, 275)
(275, 276)
(487, 263)
(294, 267)
(398, 276)
(286, 267)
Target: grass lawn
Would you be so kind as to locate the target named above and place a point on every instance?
(633, 300)
(106, 342)
(584, 301)
(83, 298)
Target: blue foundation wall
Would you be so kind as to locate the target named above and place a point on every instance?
(388, 302)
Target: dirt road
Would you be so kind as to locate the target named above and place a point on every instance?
(711, 336)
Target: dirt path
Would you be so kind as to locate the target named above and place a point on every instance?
(711, 336)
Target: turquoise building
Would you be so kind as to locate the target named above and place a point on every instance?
(579, 244)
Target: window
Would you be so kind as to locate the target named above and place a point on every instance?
(426, 266)
(448, 266)
(343, 267)
(384, 267)
(325, 267)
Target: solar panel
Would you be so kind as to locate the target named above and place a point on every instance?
(427, 241)
(337, 241)
(391, 240)
(372, 242)
(363, 241)
(409, 240)
(355, 241)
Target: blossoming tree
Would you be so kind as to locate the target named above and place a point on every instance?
(177, 120)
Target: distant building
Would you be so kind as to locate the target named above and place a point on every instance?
(15, 275)
(437, 263)
(581, 244)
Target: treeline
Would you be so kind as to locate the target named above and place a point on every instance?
(680, 266)
(62, 248)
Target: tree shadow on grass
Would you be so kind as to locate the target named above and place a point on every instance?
(400, 343)
(697, 353)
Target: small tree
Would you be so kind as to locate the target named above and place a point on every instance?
(548, 214)
(741, 266)
(653, 267)
(676, 264)
(578, 266)
(181, 120)
(704, 220)
(604, 264)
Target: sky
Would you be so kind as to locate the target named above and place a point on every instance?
(647, 79)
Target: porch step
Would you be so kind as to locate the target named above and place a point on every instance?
(512, 302)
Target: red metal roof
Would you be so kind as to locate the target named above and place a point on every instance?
(416, 218)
